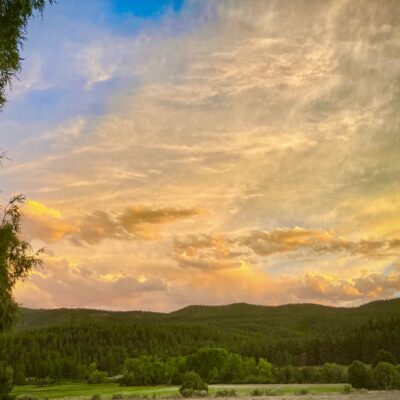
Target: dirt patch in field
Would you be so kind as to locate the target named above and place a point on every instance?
(392, 395)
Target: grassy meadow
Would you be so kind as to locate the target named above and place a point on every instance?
(107, 390)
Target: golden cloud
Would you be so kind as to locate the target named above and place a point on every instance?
(316, 242)
(319, 287)
(134, 222)
(145, 222)
(284, 240)
(62, 284)
(44, 223)
(207, 252)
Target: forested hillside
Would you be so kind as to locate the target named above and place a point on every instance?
(287, 320)
(62, 343)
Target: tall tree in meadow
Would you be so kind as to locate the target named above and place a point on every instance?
(16, 259)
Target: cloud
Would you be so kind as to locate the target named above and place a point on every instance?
(316, 242)
(231, 248)
(62, 284)
(135, 222)
(206, 253)
(366, 287)
(284, 240)
(145, 222)
(44, 223)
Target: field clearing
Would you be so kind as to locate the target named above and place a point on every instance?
(289, 391)
(106, 390)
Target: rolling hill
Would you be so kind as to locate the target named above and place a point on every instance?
(241, 316)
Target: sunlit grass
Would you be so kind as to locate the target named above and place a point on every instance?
(68, 390)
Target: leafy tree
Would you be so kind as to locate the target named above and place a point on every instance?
(6, 382)
(143, 370)
(384, 356)
(208, 362)
(333, 373)
(19, 374)
(283, 358)
(192, 385)
(359, 375)
(14, 15)
(233, 370)
(16, 260)
(94, 375)
(265, 370)
(288, 374)
(386, 376)
(174, 367)
(311, 375)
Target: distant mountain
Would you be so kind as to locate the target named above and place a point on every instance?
(286, 319)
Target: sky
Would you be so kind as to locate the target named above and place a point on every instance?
(208, 152)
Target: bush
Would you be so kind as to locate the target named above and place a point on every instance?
(359, 375)
(347, 389)
(256, 392)
(43, 381)
(97, 377)
(303, 391)
(226, 393)
(193, 385)
(193, 393)
(96, 397)
(386, 376)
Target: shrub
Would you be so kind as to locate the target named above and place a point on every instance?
(303, 391)
(96, 397)
(192, 385)
(347, 389)
(226, 393)
(359, 375)
(193, 393)
(386, 376)
(43, 381)
(97, 377)
(256, 392)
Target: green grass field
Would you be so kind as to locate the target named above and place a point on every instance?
(106, 390)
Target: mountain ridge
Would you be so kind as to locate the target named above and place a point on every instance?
(235, 313)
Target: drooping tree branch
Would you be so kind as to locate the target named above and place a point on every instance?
(14, 16)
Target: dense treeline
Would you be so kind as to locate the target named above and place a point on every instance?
(67, 351)
(217, 365)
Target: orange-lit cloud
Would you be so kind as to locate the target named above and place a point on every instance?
(317, 241)
(317, 287)
(142, 222)
(145, 222)
(47, 224)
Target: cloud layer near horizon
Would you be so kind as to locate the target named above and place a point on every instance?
(234, 151)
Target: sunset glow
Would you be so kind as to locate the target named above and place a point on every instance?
(208, 152)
